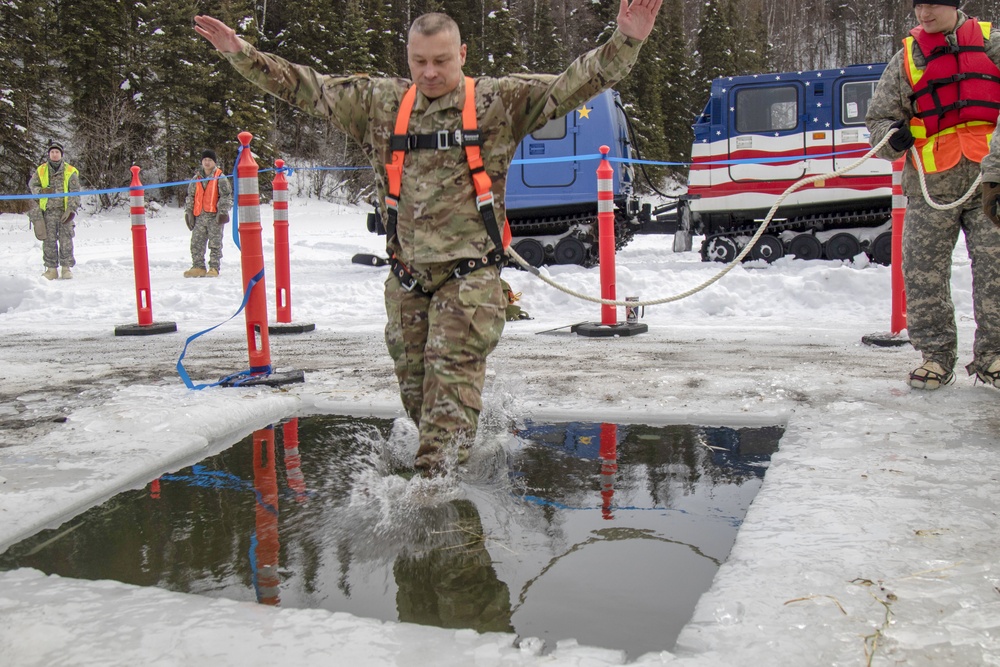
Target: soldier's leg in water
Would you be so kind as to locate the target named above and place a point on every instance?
(929, 238)
(405, 338)
(982, 238)
(466, 318)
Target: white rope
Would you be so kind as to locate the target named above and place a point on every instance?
(739, 258)
(923, 186)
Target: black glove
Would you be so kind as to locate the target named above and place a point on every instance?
(189, 220)
(991, 193)
(223, 218)
(902, 139)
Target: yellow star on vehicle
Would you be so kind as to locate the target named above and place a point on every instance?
(584, 111)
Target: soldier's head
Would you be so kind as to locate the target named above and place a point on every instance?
(436, 54)
(55, 151)
(942, 16)
(208, 160)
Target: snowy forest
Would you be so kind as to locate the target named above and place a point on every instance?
(123, 83)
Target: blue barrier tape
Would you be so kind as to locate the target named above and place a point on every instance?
(180, 366)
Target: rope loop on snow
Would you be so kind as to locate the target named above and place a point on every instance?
(750, 244)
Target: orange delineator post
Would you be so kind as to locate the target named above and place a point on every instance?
(282, 271)
(898, 322)
(265, 483)
(252, 258)
(140, 254)
(609, 467)
(606, 235)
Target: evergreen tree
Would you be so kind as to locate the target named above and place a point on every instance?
(679, 109)
(546, 51)
(502, 50)
(715, 44)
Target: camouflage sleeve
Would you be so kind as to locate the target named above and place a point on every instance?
(73, 203)
(34, 184)
(225, 194)
(189, 199)
(343, 100)
(991, 163)
(544, 97)
(889, 104)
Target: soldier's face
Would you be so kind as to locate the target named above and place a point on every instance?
(55, 154)
(208, 164)
(435, 62)
(936, 18)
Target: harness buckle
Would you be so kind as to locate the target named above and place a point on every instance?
(443, 140)
(484, 201)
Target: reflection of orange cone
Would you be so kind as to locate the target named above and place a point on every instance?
(609, 467)
(154, 489)
(293, 462)
(265, 484)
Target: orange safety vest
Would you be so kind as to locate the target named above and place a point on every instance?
(207, 199)
(956, 95)
(469, 138)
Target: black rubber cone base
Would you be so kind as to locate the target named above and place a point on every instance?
(145, 330)
(290, 327)
(885, 340)
(275, 379)
(597, 330)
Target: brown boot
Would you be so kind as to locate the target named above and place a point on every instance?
(50, 274)
(195, 272)
(66, 273)
(212, 273)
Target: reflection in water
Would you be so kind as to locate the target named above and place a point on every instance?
(547, 532)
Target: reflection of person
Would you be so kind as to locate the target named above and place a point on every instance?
(939, 92)
(453, 584)
(206, 212)
(443, 298)
(57, 214)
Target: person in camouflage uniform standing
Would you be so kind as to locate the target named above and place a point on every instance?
(441, 326)
(951, 121)
(56, 215)
(206, 212)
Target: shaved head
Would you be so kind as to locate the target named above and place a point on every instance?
(433, 23)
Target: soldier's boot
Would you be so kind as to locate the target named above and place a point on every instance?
(66, 273)
(991, 375)
(195, 272)
(50, 274)
(212, 273)
(931, 375)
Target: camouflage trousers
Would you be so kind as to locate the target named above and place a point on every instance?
(439, 343)
(57, 248)
(929, 238)
(207, 232)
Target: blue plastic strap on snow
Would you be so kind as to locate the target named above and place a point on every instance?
(252, 371)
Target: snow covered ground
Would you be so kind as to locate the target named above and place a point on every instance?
(875, 538)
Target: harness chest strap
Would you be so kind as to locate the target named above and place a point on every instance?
(468, 138)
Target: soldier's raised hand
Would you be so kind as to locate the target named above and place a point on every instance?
(636, 19)
(222, 37)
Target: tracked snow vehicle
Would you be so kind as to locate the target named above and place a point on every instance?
(758, 135)
(552, 197)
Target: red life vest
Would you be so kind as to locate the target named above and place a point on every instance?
(956, 94)
(207, 198)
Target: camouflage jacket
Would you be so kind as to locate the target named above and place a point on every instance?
(54, 205)
(438, 223)
(225, 191)
(891, 102)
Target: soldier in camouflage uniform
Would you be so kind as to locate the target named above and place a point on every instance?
(929, 235)
(56, 215)
(206, 212)
(440, 332)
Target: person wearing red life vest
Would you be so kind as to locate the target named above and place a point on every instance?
(940, 94)
(206, 212)
(440, 144)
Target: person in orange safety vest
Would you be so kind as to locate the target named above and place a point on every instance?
(206, 212)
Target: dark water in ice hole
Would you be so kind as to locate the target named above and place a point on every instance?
(604, 533)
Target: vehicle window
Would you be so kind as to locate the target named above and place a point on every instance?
(855, 96)
(767, 109)
(554, 129)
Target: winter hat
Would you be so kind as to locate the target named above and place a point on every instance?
(57, 145)
(947, 3)
(209, 153)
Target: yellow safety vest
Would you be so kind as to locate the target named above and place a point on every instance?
(43, 179)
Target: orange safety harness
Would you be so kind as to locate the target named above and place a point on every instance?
(471, 140)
